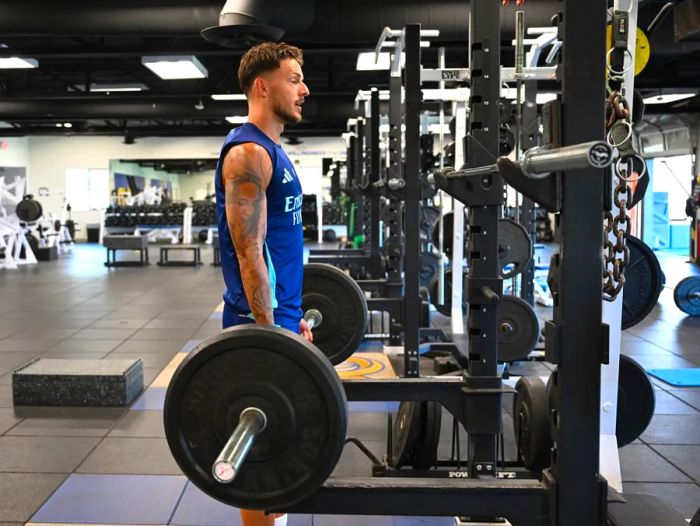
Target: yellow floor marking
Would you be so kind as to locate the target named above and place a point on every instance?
(366, 365)
(163, 379)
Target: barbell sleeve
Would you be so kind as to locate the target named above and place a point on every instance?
(314, 318)
(539, 162)
(227, 465)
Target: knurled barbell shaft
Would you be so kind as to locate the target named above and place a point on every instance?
(313, 317)
(227, 465)
(539, 162)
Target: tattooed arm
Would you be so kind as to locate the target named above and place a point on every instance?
(246, 173)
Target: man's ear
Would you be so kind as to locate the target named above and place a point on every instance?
(260, 87)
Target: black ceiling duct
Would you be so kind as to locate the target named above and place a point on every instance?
(243, 23)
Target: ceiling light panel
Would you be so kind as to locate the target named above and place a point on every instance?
(18, 63)
(176, 67)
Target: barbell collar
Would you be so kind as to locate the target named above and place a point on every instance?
(538, 163)
(228, 464)
(313, 317)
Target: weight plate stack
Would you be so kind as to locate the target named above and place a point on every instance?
(643, 283)
(284, 376)
(343, 306)
(531, 423)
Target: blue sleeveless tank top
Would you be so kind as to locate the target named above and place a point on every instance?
(284, 242)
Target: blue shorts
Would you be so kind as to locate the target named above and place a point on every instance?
(231, 318)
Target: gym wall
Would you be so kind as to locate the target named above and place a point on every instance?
(47, 159)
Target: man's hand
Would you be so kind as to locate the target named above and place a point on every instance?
(305, 330)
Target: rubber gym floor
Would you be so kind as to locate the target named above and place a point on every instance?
(112, 466)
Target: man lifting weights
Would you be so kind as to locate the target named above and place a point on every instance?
(258, 204)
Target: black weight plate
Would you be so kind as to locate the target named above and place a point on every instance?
(426, 448)
(406, 431)
(635, 401)
(29, 210)
(687, 295)
(343, 306)
(518, 329)
(531, 423)
(429, 266)
(446, 308)
(643, 283)
(285, 376)
(514, 248)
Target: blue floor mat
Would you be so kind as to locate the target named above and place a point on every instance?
(681, 377)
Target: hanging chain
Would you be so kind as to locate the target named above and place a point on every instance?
(618, 126)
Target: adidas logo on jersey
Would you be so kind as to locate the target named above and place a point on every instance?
(287, 177)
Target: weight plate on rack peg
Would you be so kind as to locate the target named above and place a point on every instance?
(643, 283)
(514, 248)
(518, 329)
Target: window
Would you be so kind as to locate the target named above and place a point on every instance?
(87, 189)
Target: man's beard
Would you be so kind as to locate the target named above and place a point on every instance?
(286, 116)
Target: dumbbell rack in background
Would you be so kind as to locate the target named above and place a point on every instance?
(164, 221)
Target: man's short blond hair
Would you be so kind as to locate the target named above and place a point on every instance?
(263, 58)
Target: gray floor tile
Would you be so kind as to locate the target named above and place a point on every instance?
(640, 347)
(103, 334)
(17, 345)
(65, 421)
(6, 396)
(368, 426)
(690, 396)
(43, 333)
(173, 324)
(9, 361)
(206, 333)
(74, 345)
(667, 404)
(151, 346)
(150, 374)
(684, 498)
(354, 463)
(151, 360)
(163, 334)
(673, 429)
(79, 355)
(136, 424)
(686, 458)
(146, 456)
(110, 322)
(641, 464)
(23, 493)
(651, 361)
(8, 419)
(6, 333)
(43, 454)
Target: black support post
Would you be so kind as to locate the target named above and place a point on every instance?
(481, 146)
(574, 338)
(412, 300)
